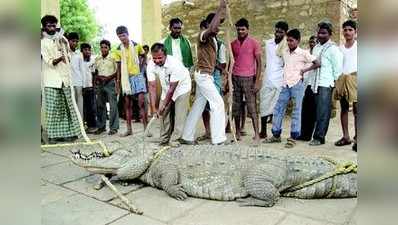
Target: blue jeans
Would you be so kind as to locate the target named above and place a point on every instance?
(296, 93)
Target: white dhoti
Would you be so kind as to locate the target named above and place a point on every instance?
(206, 91)
(268, 97)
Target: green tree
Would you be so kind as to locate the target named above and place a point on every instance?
(76, 16)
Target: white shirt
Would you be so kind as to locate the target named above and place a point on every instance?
(221, 54)
(274, 65)
(350, 58)
(308, 76)
(53, 76)
(175, 45)
(88, 69)
(76, 63)
(172, 71)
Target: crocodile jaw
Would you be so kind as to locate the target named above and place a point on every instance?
(97, 163)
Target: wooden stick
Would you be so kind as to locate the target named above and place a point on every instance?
(231, 63)
(124, 200)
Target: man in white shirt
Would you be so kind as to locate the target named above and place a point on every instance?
(89, 103)
(175, 83)
(346, 85)
(272, 83)
(76, 63)
(60, 120)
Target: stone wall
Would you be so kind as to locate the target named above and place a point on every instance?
(262, 15)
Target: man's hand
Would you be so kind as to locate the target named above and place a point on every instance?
(257, 87)
(58, 60)
(161, 110)
(302, 73)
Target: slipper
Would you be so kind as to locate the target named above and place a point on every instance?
(273, 139)
(203, 137)
(112, 132)
(263, 135)
(127, 133)
(290, 143)
(342, 142)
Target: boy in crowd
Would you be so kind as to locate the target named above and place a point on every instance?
(105, 68)
(130, 79)
(295, 60)
(89, 105)
(322, 82)
(272, 83)
(76, 63)
(174, 101)
(246, 76)
(346, 85)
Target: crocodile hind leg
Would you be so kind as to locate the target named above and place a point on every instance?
(262, 182)
(266, 196)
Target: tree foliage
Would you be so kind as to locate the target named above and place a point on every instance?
(76, 16)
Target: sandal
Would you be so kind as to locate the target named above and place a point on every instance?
(342, 142)
(112, 132)
(203, 137)
(243, 133)
(273, 139)
(290, 143)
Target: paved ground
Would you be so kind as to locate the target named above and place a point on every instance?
(69, 199)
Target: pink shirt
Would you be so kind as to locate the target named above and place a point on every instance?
(294, 62)
(245, 57)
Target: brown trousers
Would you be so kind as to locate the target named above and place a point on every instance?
(173, 120)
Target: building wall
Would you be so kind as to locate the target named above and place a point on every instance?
(262, 15)
(50, 7)
(151, 21)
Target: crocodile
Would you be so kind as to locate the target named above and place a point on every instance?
(248, 175)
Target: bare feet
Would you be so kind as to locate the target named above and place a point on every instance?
(256, 141)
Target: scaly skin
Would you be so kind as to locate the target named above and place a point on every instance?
(252, 176)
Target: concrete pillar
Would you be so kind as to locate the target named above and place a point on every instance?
(50, 7)
(151, 21)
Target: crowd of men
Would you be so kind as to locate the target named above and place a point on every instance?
(311, 79)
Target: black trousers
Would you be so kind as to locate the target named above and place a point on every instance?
(89, 107)
(308, 115)
(316, 112)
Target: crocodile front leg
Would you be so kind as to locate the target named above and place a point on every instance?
(168, 180)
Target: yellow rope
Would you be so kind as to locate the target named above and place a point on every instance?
(341, 168)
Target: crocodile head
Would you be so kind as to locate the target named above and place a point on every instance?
(125, 164)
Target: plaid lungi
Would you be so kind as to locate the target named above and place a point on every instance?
(243, 87)
(60, 116)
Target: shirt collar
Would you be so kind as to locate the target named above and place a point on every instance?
(296, 51)
(106, 57)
